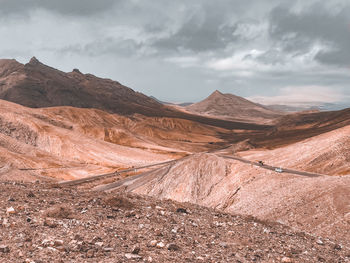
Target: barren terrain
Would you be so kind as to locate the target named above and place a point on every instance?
(46, 224)
(228, 106)
(80, 125)
(319, 204)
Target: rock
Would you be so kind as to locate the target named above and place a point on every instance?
(173, 247)
(78, 237)
(200, 258)
(58, 243)
(160, 245)
(10, 211)
(31, 195)
(4, 249)
(99, 244)
(52, 248)
(50, 223)
(286, 260)
(108, 249)
(59, 211)
(337, 247)
(77, 71)
(135, 250)
(181, 210)
(319, 242)
(61, 248)
(47, 243)
(132, 256)
(223, 244)
(90, 253)
(153, 243)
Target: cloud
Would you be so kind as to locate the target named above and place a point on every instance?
(184, 62)
(299, 31)
(186, 49)
(65, 7)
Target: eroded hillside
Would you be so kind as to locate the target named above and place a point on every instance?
(64, 225)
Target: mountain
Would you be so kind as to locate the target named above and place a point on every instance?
(67, 142)
(37, 85)
(311, 106)
(291, 108)
(183, 104)
(233, 107)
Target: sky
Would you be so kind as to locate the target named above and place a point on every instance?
(270, 51)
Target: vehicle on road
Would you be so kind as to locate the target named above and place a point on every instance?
(278, 170)
(261, 163)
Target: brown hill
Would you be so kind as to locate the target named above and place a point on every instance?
(296, 127)
(233, 107)
(316, 205)
(36, 85)
(327, 153)
(67, 142)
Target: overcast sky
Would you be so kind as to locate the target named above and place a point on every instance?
(272, 51)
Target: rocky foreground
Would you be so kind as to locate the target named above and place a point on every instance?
(43, 223)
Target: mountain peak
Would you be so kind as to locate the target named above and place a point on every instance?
(216, 92)
(232, 107)
(77, 71)
(34, 61)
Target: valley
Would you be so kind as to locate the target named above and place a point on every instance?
(89, 136)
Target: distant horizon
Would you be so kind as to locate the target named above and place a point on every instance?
(264, 100)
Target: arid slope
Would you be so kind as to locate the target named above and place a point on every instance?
(328, 153)
(59, 147)
(66, 225)
(229, 106)
(319, 205)
(67, 142)
(37, 85)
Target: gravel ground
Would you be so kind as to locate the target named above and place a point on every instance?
(44, 223)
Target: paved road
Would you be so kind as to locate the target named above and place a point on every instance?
(107, 175)
(104, 176)
(272, 168)
(125, 181)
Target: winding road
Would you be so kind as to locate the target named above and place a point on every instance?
(162, 164)
(272, 168)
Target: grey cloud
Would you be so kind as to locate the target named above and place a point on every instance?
(211, 28)
(340, 56)
(131, 41)
(196, 36)
(66, 7)
(123, 48)
(299, 32)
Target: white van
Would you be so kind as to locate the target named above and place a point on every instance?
(278, 170)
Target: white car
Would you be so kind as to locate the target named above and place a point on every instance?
(278, 170)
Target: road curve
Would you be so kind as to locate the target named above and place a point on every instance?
(107, 175)
(272, 168)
